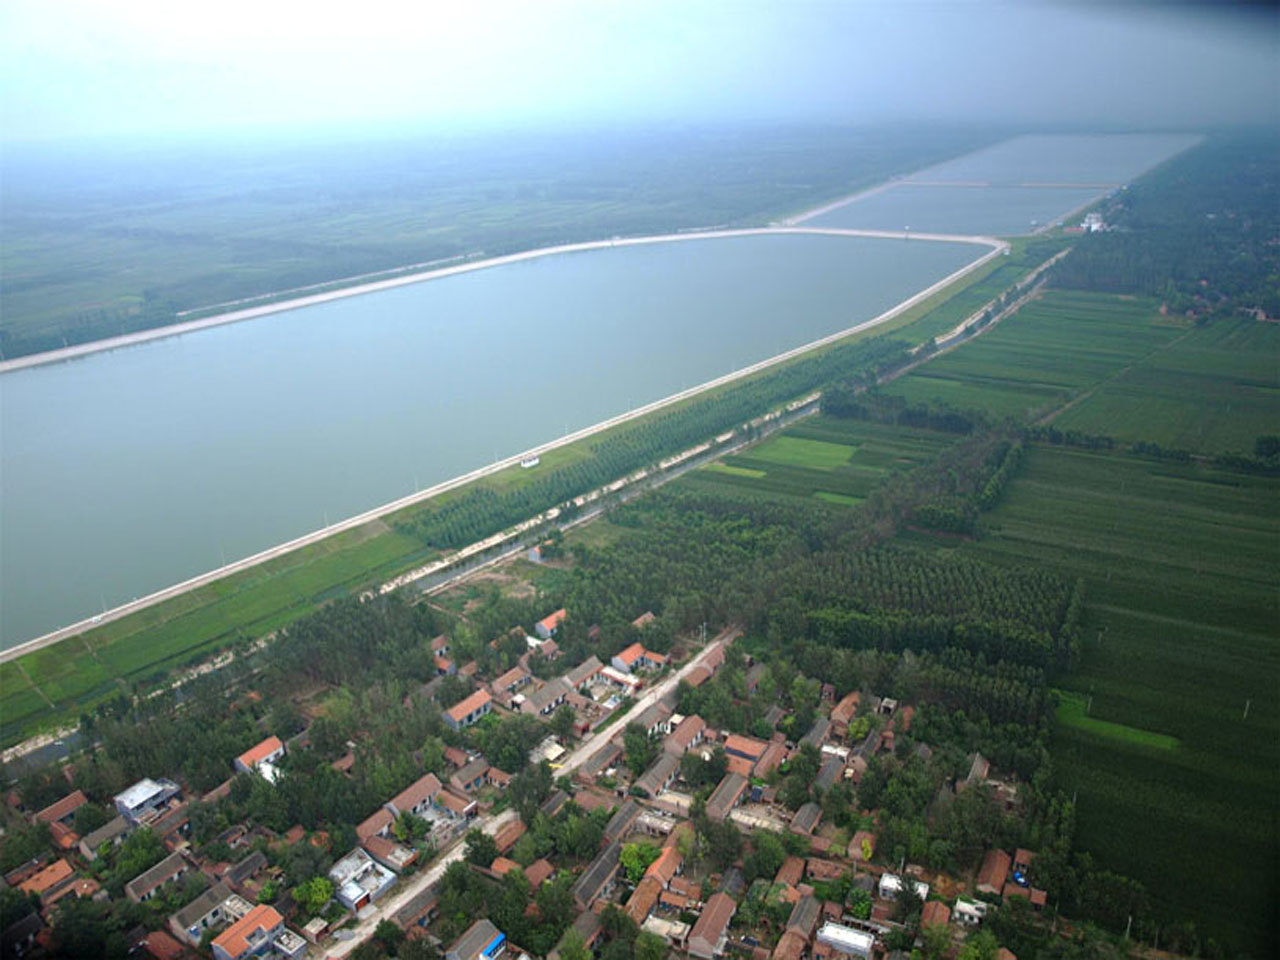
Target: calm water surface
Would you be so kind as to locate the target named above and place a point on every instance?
(127, 471)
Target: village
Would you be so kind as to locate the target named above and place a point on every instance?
(679, 834)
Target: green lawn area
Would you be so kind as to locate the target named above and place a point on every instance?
(834, 461)
(790, 450)
(1072, 711)
(733, 471)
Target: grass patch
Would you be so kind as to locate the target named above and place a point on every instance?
(733, 471)
(1072, 709)
(791, 450)
(840, 498)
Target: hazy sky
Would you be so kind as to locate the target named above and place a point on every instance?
(74, 67)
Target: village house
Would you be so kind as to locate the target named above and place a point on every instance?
(510, 682)
(469, 710)
(48, 882)
(806, 819)
(471, 777)
(64, 810)
(219, 904)
(772, 758)
(142, 801)
(727, 795)
(259, 932)
(597, 879)
(114, 832)
(660, 775)
(993, 873)
(710, 934)
(584, 673)
(545, 700)
(482, 941)
(845, 941)
(391, 854)
(548, 625)
(262, 759)
(359, 880)
(935, 914)
(685, 735)
(622, 821)
(148, 883)
(655, 720)
(636, 657)
(455, 804)
(417, 798)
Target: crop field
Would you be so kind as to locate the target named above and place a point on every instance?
(1051, 350)
(822, 458)
(1213, 391)
(1182, 571)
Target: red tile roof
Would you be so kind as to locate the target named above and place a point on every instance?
(255, 755)
(375, 824)
(644, 899)
(632, 654)
(935, 914)
(162, 946)
(63, 808)
(539, 872)
(791, 872)
(994, 871)
(506, 837)
(712, 923)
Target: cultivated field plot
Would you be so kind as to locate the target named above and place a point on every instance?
(1213, 391)
(1051, 350)
(835, 461)
(1182, 570)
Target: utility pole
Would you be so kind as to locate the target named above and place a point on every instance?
(1246, 709)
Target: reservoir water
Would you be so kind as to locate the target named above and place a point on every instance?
(126, 471)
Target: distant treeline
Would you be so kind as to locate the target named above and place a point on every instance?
(1199, 232)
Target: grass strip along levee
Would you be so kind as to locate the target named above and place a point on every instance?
(138, 651)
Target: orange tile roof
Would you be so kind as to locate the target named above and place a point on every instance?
(40, 883)
(63, 808)
(255, 755)
(235, 939)
(502, 866)
(632, 654)
(664, 868)
(459, 711)
(747, 746)
(553, 620)
(162, 946)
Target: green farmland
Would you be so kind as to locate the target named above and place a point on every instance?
(1182, 573)
(823, 458)
(1212, 391)
(1052, 350)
